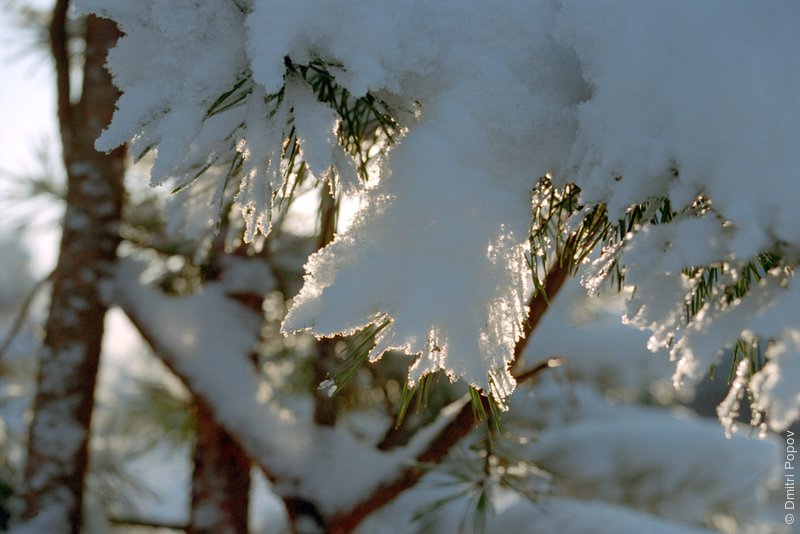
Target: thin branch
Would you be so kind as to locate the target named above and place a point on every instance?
(540, 301)
(549, 363)
(438, 448)
(59, 47)
(295, 505)
(124, 521)
(465, 421)
(394, 435)
(19, 320)
(452, 433)
(162, 353)
(537, 305)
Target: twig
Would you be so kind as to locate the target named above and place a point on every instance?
(550, 363)
(465, 421)
(147, 523)
(59, 47)
(540, 301)
(19, 320)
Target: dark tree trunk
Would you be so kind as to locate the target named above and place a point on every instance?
(221, 480)
(59, 434)
(325, 362)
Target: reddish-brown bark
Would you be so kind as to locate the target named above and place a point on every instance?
(221, 479)
(57, 449)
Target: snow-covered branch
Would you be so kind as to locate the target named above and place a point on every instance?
(206, 339)
(628, 103)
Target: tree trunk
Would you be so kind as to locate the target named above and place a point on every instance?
(221, 480)
(59, 434)
(325, 362)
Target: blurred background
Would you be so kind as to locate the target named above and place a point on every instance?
(604, 436)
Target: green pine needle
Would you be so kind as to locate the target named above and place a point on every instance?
(233, 96)
(416, 394)
(491, 417)
(359, 348)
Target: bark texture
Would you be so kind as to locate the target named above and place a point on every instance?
(57, 449)
(221, 479)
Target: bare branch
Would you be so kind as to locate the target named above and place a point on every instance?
(19, 320)
(59, 47)
(125, 521)
(540, 301)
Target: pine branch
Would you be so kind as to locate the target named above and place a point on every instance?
(466, 419)
(163, 354)
(540, 301)
(410, 398)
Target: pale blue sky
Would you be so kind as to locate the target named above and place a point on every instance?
(27, 108)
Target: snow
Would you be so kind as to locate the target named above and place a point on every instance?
(262, 172)
(604, 453)
(713, 94)
(775, 387)
(630, 460)
(586, 332)
(515, 514)
(619, 467)
(616, 466)
(569, 515)
(207, 338)
(628, 101)
(315, 124)
(622, 453)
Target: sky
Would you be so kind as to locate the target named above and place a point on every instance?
(27, 105)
